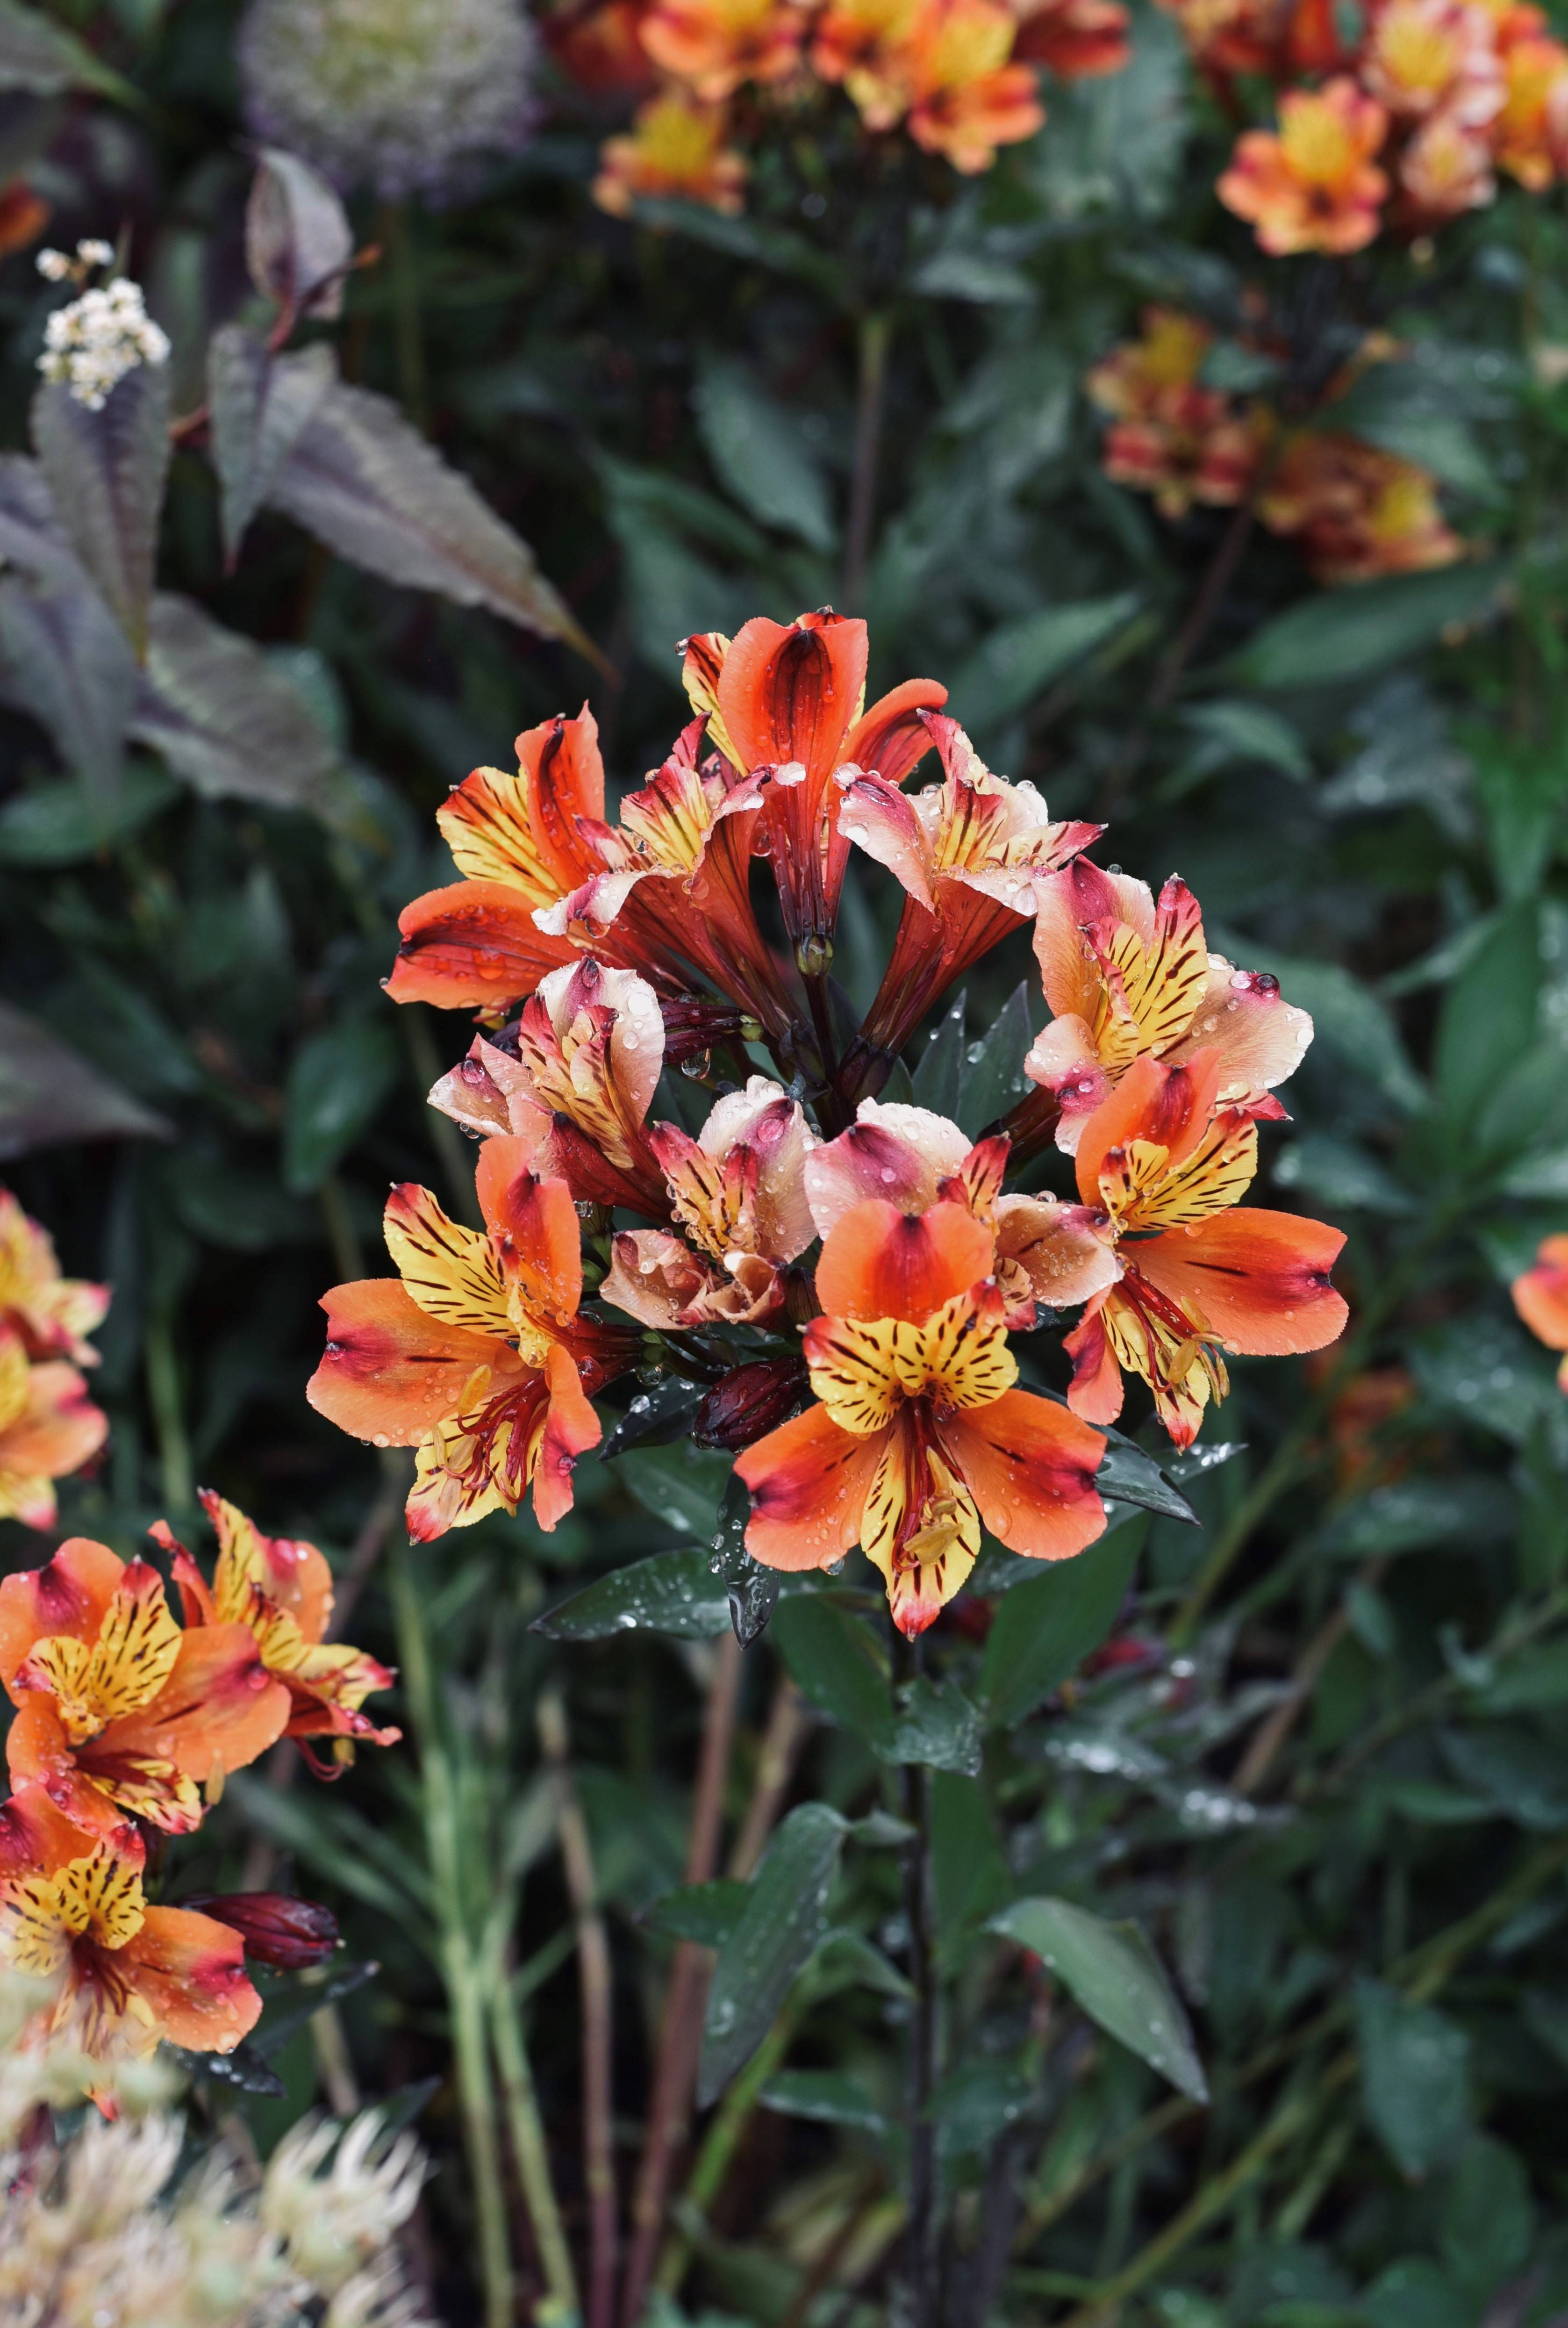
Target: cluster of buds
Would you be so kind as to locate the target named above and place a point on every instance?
(126, 1723)
(105, 333)
(1357, 510)
(1399, 114)
(958, 77)
(849, 1278)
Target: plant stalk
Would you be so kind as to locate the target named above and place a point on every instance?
(876, 331)
(529, 2149)
(923, 2246)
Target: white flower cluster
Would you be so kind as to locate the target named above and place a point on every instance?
(91, 344)
(403, 96)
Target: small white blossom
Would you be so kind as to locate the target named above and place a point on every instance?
(95, 254)
(90, 345)
(55, 265)
(334, 2224)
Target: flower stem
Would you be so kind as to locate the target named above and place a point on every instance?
(529, 2149)
(876, 331)
(411, 336)
(915, 1787)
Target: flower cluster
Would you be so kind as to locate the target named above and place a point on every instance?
(105, 333)
(1357, 510)
(957, 76)
(402, 96)
(1541, 1299)
(845, 1277)
(1398, 115)
(126, 1723)
(49, 1426)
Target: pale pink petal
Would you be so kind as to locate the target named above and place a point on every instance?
(1260, 1037)
(766, 1117)
(896, 1153)
(1067, 1252)
(654, 1278)
(1067, 902)
(1062, 1059)
(885, 822)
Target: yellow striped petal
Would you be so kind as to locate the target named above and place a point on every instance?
(453, 1272)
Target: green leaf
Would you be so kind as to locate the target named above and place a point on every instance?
(1415, 2077)
(1019, 661)
(49, 1094)
(975, 276)
(835, 1661)
(1044, 1629)
(784, 1918)
(1416, 1514)
(993, 1076)
(707, 1913)
(69, 823)
(1486, 2226)
(261, 405)
(761, 453)
(674, 1592)
(337, 1081)
(1344, 1178)
(1348, 633)
(935, 1724)
(682, 1485)
(363, 480)
(974, 2103)
(938, 1079)
(826, 2096)
(654, 1418)
(107, 470)
(1248, 734)
(42, 59)
(1127, 1476)
(1116, 1978)
(1415, 2293)
(1488, 1016)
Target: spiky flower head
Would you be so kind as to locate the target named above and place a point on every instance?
(402, 96)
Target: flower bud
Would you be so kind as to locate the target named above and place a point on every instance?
(288, 1934)
(750, 1401)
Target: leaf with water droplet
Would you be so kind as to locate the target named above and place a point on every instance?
(752, 1591)
(1116, 1978)
(707, 1913)
(783, 1920)
(674, 1594)
(938, 1078)
(654, 1417)
(994, 1078)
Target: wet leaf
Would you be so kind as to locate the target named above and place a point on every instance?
(1338, 636)
(1128, 1476)
(976, 2103)
(1415, 2077)
(752, 1590)
(244, 2067)
(707, 1913)
(682, 1485)
(935, 1725)
(297, 236)
(784, 1918)
(993, 1076)
(826, 2096)
(107, 470)
(49, 1094)
(654, 1416)
(1116, 1978)
(1412, 1515)
(69, 823)
(362, 480)
(835, 1661)
(336, 1083)
(938, 1079)
(675, 1592)
(1045, 1628)
(261, 404)
(1488, 1018)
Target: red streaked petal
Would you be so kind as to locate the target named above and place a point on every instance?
(570, 1427)
(68, 1595)
(190, 1971)
(809, 1481)
(535, 1228)
(35, 1833)
(879, 1263)
(1167, 1105)
(1096, 1390)
(1258, 1279)
(219, 1709)
(1030, 1466)
(792, 693)
(472, 947)
(890, 740)
(391, 1372)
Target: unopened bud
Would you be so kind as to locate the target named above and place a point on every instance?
(750, 1401)
(814, 955)
(277, 1931)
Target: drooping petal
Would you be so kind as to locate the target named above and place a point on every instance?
(653, 1277)
(877, 1262)
(68, 1595)
(921, 1528)
(809, 1481)
(567, 1427)
(881, 820)
(764, 1118)
(58, 1431)
(1030, 1468)
(1063, 1060)
(898, 1153)
(889, 739)
(453, 1272)
(524, 830)
(474, 945)
(534, 1230)
(291, 1573)
(1068, 903)
(391, 1372)
(1259, 1280)
(189, 1970)
(1095, 1390)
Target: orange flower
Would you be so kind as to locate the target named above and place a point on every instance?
(675, 147)
(1233, 36)
(120, 1713)
(1359, 512)
(967, 853)
(865, 45)
(23, 215)
(1074, 39)
(1427, 55)
(1166, 1168)
(1314, 186)
(477, 1359)
(53, 1314)
(1531, 133)
(1541, 1299)
(600, 47)
(73, 1909)
(966, 98)
(1169, 437)
(49, 1428)
(714, 45)
(1445, 169)
(1126, 979)
(280, 1591)
(918, 1433)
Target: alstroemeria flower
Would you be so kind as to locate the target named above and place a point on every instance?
(280, 1589)
(1532, 129)
(49, 1428)
(968, 853)
(1198, 1278)
(675, 146)
(865, 45)
(1541, 1299)
(120, 1713)
(966, 98)
(738, 1190)
(1045, 1251)
(1446, 168)
(73, 1909)
(1076, 40)
(1126, 977)
(1423, 56)
(786, 700)
(714, 45)
(1358, 511)
(918, 1433)
(53, 1314)
(1314, 186)
(521, 843)
(1169, 436)
(477, 1357)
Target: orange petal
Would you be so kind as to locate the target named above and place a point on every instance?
(36, 1834)
(68, 1595)
(809, 1481)
(570, 1427)
(879, 1263)
(1096, 1390)
(1030, 1466)
(59, 1428)
(474, 945)
(1170, 1106)
(891, 738)
(219, 1707)
(1540, 1297)
(787, 693)
(535, 1226)
(1258, 1279)
(290, 1571)
(391, 1373)
(95, 1785)
(190, 1972)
